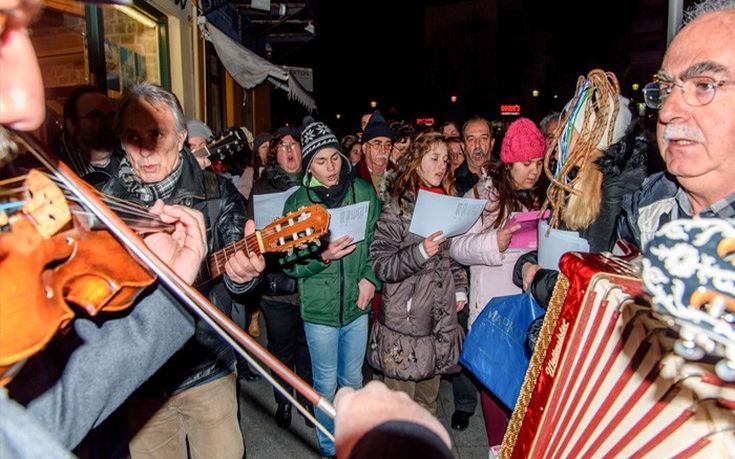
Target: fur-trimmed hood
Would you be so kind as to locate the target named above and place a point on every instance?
(631, 152)
(401, 207)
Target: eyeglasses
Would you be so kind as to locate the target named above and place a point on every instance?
(97, 116)
(697, 91)
(385, 146)
(287, 146)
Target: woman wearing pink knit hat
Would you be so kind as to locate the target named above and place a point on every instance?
(509, 185)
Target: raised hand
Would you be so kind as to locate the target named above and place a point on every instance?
(338, 248)
(505, 234)
(432, 243)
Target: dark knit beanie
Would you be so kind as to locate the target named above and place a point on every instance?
(260, 139)
(316, 137)
(289, 130)
(377, 126)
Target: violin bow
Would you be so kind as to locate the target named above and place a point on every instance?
(192, 298)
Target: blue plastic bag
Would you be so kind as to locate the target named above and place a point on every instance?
(495, 349)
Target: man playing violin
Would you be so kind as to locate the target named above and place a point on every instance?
(193, 397)
(84, 375)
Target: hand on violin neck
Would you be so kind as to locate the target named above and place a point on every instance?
(185, 248)
(242, 267)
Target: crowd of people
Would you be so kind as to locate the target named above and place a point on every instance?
(393, 306)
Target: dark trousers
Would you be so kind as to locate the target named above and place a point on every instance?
(464, 388)
(287, 341)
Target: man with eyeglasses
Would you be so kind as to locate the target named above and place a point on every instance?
(695, 98)
(88, 144)
(377, 143)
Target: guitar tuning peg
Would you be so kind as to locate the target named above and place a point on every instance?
(289, 251)
(316, 242)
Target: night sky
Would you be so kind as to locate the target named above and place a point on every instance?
(410, 56)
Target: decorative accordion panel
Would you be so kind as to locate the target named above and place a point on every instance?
(604, 381)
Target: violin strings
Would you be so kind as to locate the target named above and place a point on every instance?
(110, 199)
(118, 208)
(15, 179)
(11, 205)
(133, 223)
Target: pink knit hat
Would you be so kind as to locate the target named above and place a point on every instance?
(522, 142)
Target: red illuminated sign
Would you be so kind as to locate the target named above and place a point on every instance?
(425, 121)
(510, 109)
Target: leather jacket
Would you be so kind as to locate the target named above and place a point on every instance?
(205, 356)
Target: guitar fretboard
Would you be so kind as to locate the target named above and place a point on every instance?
(214, 265)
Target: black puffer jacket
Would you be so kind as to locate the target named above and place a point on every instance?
(205, 356)
(623, 169)
(276, 285)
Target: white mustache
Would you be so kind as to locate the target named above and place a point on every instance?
(681, 132)
(478, 152)
(381, 157)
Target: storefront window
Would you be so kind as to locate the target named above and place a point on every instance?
(131, 48)
(58, 37)
(72, 42)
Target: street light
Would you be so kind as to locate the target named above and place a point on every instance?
(373, 104)
(453, 99)
(535, 93)
(338, 116)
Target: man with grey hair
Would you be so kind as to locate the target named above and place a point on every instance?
(549, 123)
(192, 398)
(694, 93)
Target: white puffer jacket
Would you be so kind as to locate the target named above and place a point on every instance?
(491, 272)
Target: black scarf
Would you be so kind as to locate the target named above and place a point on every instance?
(333, 196)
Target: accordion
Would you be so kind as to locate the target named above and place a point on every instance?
(603, 380)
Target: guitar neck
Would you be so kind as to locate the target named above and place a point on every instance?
(214, 265)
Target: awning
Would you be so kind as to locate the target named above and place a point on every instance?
(250, 70)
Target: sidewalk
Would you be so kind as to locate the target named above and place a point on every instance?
(265, 440)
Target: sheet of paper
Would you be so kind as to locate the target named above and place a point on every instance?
(556, 244)
(453, 216)
(268, 207)
(525, 238)
(349, 220)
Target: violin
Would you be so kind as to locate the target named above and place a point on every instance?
(55, 269)
(50, 260)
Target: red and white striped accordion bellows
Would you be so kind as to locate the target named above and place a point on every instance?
(604, 381)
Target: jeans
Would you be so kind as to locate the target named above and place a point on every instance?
(330, 368)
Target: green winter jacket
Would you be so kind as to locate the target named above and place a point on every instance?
(329, 290)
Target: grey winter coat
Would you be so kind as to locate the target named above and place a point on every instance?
(416, 335)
